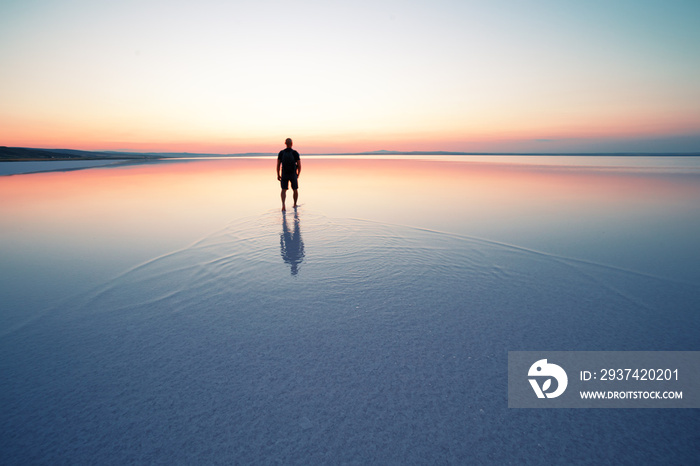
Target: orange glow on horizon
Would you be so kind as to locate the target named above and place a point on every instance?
(515, 134)
(430, 76)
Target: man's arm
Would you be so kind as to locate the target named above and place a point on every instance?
(298, 168)
(279, 175)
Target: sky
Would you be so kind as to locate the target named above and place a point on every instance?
(215, 76)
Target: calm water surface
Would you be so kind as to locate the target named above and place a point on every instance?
(168, 311)
(64, 232)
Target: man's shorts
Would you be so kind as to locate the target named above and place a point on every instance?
(287, 178)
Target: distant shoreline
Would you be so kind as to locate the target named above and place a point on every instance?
(22, 154)
(14, 154)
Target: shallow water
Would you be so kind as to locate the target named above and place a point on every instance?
(191, 321)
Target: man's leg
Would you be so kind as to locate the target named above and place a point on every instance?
(284, 198)
(295, 196)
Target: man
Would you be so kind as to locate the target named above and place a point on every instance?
(288, 170)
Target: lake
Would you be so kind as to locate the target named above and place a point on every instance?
(167, 311)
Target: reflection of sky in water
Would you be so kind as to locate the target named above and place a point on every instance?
(67, 230)
(642, 218)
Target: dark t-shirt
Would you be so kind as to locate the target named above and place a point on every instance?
(289, 158)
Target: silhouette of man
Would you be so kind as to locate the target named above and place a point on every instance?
(288, 170)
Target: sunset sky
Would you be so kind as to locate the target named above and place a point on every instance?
(215, 76)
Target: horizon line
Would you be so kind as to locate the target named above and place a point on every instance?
(374, 152)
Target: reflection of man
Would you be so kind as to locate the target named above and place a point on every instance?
(291, 245)
(290, 164)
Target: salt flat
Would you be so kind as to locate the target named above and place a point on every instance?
(356, 328)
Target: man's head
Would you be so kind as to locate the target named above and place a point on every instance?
(288, 143)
